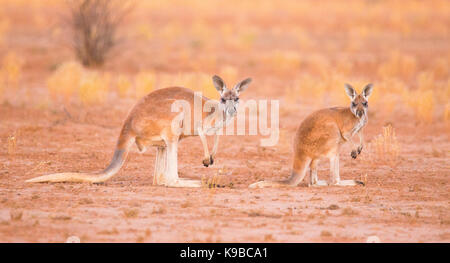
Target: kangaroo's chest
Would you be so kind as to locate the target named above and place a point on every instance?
(358, 126)
(353, 128)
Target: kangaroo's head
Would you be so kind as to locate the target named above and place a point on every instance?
(359, 103)
(229, 99)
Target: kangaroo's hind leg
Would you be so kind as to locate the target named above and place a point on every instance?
(160, 166)
(314, 180)
(172, 179)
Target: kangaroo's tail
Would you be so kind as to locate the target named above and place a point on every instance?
(124, 143)
(298, 173)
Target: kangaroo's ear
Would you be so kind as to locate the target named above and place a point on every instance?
(243, 85)
(367, 91)
(350, 91)
(218, 83)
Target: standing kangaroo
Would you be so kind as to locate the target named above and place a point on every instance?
(320, 135)
(150, 123)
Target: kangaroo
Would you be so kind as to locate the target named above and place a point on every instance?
(320, 135)
(151, 123)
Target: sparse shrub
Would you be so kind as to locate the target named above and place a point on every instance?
(15, 215)
(159, 210)
(130, 213)
(94, 24)
(325, 233)
(384, 148)
(212, 181)
(269, 238)
(348, 211)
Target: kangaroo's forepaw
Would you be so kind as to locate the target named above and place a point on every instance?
(360, 149)
(354, 154)
(360, 183)
(208, 161)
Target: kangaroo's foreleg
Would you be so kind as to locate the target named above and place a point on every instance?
(215, 147)
(335, 178)
(355, 148)
(207, 160)
(361, 142)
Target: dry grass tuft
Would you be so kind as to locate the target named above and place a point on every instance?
(159, 210)
(15, 215)
(349, 212)
(325, 233)
(131, 213)
(72, 82)
(384, 148)
(12, 144)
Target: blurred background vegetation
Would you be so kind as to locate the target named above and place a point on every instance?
(86, 53)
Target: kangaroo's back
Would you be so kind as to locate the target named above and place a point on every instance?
(321, 131)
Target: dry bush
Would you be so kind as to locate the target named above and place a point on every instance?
(95, 24)
(15, 215)
(384, 148)
(130, 213)
(72, 82)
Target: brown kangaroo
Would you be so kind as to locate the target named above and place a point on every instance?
(321, 134)
(151, 123)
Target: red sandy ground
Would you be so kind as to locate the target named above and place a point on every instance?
(406, 203)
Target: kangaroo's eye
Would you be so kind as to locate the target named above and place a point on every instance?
(353, 104)
(222, 100)
(364, 104)
(236, 99)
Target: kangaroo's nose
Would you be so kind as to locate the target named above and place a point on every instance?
(359, 113)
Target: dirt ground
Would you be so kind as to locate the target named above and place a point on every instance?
(405, 201)
(408, 203)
